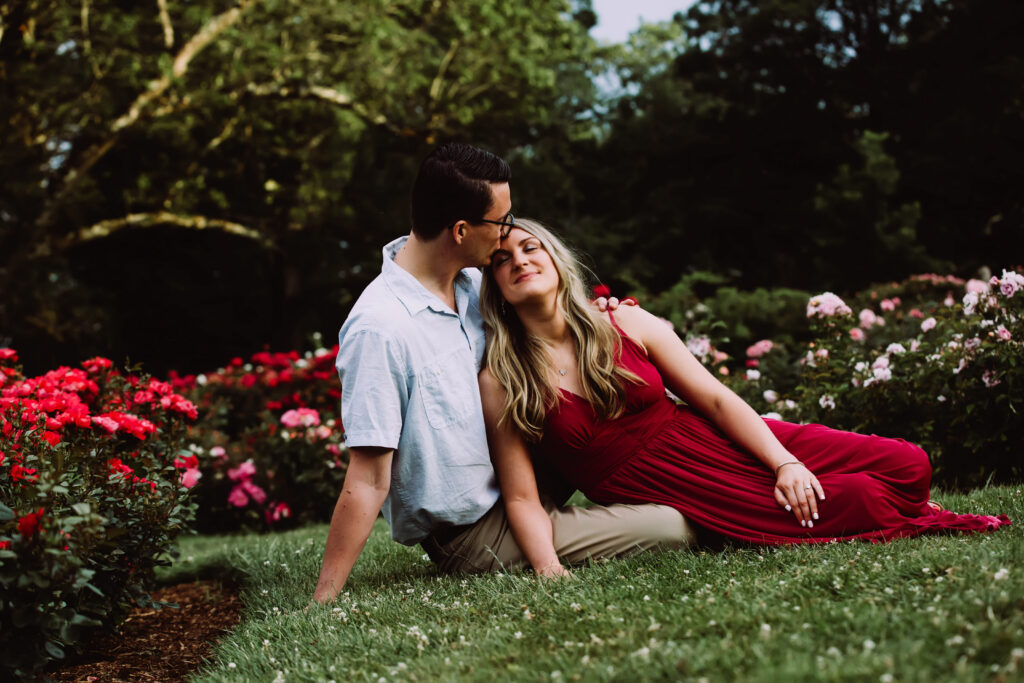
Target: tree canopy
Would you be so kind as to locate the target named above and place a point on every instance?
(187, 181)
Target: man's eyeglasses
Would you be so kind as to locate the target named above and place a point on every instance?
(506, 223)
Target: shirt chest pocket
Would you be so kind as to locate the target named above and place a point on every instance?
(449, 390)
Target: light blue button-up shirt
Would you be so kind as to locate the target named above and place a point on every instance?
(408, 365)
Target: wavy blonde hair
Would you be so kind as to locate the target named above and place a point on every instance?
(519, 361)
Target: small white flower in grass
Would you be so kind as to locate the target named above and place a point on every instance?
(517, 635)
(647, 598)
(402, 666)
(585, 661)
(266, 643)
(595, 640)
(576, 607)
(527, 614)
(766, 630)
(644, 652)
(833, 652)
(869, 645)
(279, 678)
(1003, 573)
(885, 678)
(955, 640)
(556, 675)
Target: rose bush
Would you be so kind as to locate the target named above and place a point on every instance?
(934, 359)
(92, 496)
(268, 447)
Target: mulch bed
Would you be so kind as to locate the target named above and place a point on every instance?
(159, 645)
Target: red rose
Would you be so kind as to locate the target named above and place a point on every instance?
(19, 473)
(52, 438)
(29, 525)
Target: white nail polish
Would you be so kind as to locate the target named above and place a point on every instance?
(810, 524)
(803, 522)
(815, 515)
(789, 508)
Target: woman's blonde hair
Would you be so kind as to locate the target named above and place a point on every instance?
(520, 362)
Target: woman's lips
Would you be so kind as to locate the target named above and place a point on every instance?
(524, 276)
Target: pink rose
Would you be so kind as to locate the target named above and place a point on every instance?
(1003, 333)
(826, 305)
(257, 494)
(219, 452)
(857, 334)
(916, 313)
(977, 286)
(244, 471)
(760, 348)
(867, 318)
(190, 477)
(821, 353)
(887, 305)
(238, 497)
(301, 417)
(928, 324)
(107, 423)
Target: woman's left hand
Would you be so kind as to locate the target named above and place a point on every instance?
(798, 490)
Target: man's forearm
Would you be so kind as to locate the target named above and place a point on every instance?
(351, 523)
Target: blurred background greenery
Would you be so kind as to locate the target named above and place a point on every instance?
(185, 182)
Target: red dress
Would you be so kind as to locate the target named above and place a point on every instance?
(660, 452)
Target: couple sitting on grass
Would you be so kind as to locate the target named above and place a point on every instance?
(474, 401)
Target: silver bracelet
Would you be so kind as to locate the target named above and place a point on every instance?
(788, 462)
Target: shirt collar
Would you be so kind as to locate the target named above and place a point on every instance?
(413, 295)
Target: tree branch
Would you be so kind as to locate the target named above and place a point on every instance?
(435, 87)
(157, 87)
(319, 92)
(165, 20)
(148, 220)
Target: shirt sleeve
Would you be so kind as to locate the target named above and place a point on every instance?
(374, 389)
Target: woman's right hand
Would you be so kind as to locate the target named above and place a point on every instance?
(798, 491)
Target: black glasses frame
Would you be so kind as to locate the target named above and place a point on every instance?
(507, 223)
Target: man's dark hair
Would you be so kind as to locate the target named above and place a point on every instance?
(454, 184)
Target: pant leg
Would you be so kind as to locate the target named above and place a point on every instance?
(579, 534)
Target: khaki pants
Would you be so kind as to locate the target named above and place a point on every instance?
(579, 534)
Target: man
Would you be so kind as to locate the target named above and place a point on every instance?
(409, 356)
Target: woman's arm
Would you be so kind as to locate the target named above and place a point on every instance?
(691, 381)
(530, 523)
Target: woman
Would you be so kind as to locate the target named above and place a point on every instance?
(586, 393)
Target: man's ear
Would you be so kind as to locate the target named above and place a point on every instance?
(458, 231)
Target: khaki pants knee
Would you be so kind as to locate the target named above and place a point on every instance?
(580, 534)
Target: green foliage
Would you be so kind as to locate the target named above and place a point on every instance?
(915, 363)
(291, 127)
(91, 504)
(731, 319)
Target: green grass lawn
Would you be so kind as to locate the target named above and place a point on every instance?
(922, 609)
